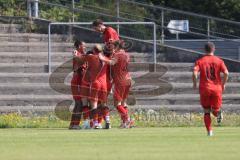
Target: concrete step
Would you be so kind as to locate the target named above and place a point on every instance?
(41, 77)
(52, 100)
(35, 47)
(32, 89)
(186, 88)
(176, 108)
(61, 57)
(174, 67)
(235, 108)
(31, 37)
(24, 77)
(142, 77)
(186, 77)
(11, 28)
(178, 69)
(139, 90)
(183, 99)
(41, 67)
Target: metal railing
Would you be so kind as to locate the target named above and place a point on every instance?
(108, 23)
(201, 26)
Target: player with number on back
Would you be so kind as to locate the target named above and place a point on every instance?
(211, 85)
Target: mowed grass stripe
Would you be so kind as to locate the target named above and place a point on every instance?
(139, 143)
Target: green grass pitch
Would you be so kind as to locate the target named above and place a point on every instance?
(120, 144)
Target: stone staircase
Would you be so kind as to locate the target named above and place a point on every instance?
(24, 82)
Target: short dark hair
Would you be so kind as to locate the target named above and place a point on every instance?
(97, 22)
(89, 52)
(209, 46)
(77, 43)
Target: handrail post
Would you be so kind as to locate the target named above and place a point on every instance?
(73, 8)
(154, 46)
(162, 26)
(29, 9)
(49, 48)
(117, 6)
(208, 29)
(35, 9)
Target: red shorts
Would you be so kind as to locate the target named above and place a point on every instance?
(96, 91)
(211, 99)
(121, 92)
(75, 86)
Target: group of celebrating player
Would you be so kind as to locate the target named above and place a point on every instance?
(94, 74)
(96, 71)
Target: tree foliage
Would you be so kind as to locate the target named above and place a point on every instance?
(228, 9)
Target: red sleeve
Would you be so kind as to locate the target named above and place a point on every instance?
(223, 67)
(110, 34)
(107, 36)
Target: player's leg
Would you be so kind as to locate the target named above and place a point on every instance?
(208, 121)
(130, 122)
(94, 113)
(100, 113)
(84, 92)
(86, 113)
(121, 111)
(76, 114)
(94, 101)
(216, 101)
(105, 111)
(118, 98)
(205, 102)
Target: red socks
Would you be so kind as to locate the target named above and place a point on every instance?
(207, 121)
(123, 113)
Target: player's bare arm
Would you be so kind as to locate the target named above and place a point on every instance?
(225, 78)
(112, 61)
(194, 78)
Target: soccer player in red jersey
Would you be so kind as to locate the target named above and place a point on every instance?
(109, 34)
(75, 84)
(211, 85)
(93, 86)
(122, 81)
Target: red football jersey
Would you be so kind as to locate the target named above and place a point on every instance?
(210, 67)
(110, 34)
(96, 69)
(120, 72)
